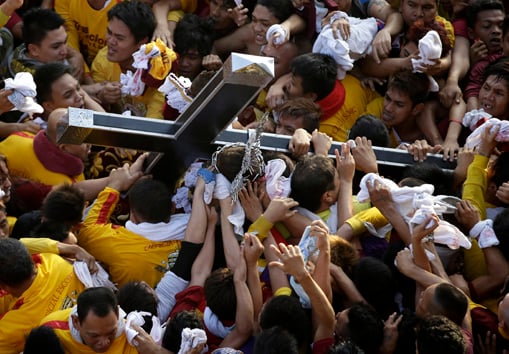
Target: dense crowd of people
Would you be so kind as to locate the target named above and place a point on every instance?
(253, 251)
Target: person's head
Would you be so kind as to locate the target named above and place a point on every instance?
(345, 347)
(149, 201)
(172, 338)
(44, 35)
(283, 55)
(218, 12)
(404, 98)
(372, 128)
(64, 204)
(419, 29)
(439, 335)
(97, 318)
(362, 325)
(413, 10)
(229, 163)
(5, 179)
(374, 280)
(57, 88)
(16, 266)
(130, 25)
(193, 38)
(298, 113)
(485, 20)
(443, 299)
(430, 172)
(43, 340)
(494, 92)
(56, 119)
(267, 13)
(287, 313)
(138, 296)
(343, 254)
(220, 294)
(275, 340)
(315, 183)
(313, 76)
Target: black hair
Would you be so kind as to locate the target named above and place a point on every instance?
(371, 127)
(318, 73)
(194, 32)
(431, 173)
(280, 9)
(64, 204)
(136, 15)
(100, 300)
(151, 200)
(439, 335)
(366, 327)
(415, 85)
(450, 302)
(138, 296)
(16, 265)
(44, 77)
(477, 6)
(37, 22)
(43, 340)
(275, 340)
(302, 108)
(172, 338)
(220, 294)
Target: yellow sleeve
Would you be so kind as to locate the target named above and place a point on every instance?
(3, 18)
(262, 226)
(286, 291)
(155, 104)
(375, 107)
(476, 183)
(175, 15)
(371, 215)
(40, 245)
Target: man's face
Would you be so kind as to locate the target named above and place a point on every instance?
(97, 332)
(66, 92)
(120, 41)
(261, 20)
(283, 56)
(220, 16)
(52, 48)
(287, 125)
(190, 64)
(294, 88)
(494, 97)
(488, 29)
(341, 327)
(413, 10)
(397, 108)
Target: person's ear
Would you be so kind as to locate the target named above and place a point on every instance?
(417, 110)
(311, 95)
(48, 106)
(33, 50)
(75, 321)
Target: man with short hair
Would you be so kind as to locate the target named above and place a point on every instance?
(31, 287)
(94, 325)
(130, 25)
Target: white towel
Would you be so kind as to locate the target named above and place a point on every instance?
(276, 29)
(222, 191)
(430, 48)
(474, 139)
(191, 338)
(276, 184)
(100, 278)
(175, 89)
(136, 317)
(24, 92)
(163, 231)
(214, 325)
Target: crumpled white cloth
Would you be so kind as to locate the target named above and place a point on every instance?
(483, 230)
(75, 333)
(181, 198)
(132, 84)
(100, 278)
(191, 338)
(474, 139)
(276, 184)
(358, 45)
(417, 204)
(474, 118)
(175, 89)
(222, 191)
(141, 59)
(24, 92)
(163, 231)
(276, 29)
(430, 47)
(214, 325)
(136, 317)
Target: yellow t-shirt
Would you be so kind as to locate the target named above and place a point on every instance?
(149, 105)
(356, 100)
(55, 287)
(23, 162)
(59, 321)
(129, 256)
(86, 27)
